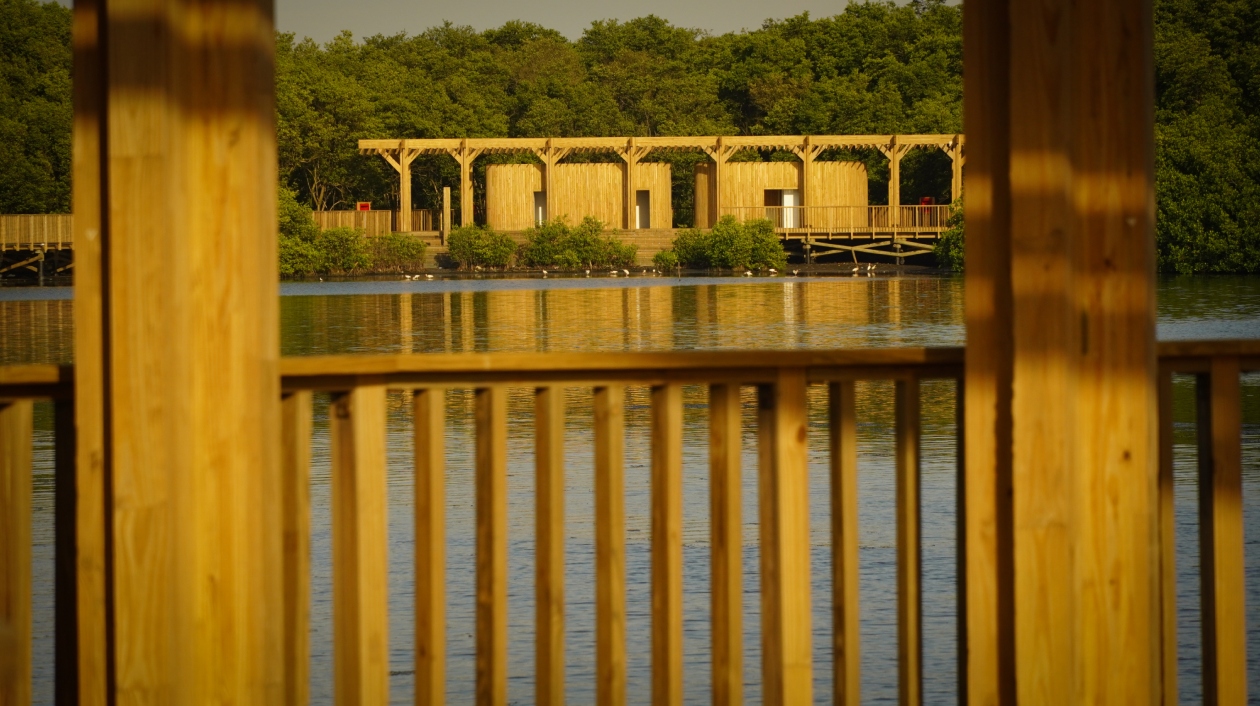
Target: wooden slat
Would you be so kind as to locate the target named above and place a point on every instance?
(727, 541)
(610, 547)
(491, 426)
(846, 627)
(15, 552)
(428, 409)
(783, 489)
(961, 529)
(295, 528)
(667, 653)
(360, 620)
(549, 516)
(1167, 546)
(1222, 580)
(909, 557)
(66, 589)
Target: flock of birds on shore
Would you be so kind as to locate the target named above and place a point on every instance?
(857, 270)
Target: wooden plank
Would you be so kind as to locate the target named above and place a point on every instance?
(491, 468)
(783, 504)
(667, 647)
(359, 538)
(726, 499)
(1167, 545)
(295, 529)
(610, 546)
(909, 552)
(429, 414)
(1222, 574)
(846, 617)
(66, 577)
(549, 519)
(15, 552)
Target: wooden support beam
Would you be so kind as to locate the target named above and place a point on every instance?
(492, 544)
(667, 583)
(295, 528)
(1060, 389)
(446, 213)
(894, 150)
(720, 152)
(429, 412)
(610, 547)
(808, 152)
(464, 155)
(549, 521)
(405, 158)
(631, 155)
(726, 498)
(178, 461)
(909, 554)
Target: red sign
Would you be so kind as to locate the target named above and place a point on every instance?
(363, 206)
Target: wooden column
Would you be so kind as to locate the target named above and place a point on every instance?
(631, 155)
(894, 151)
(465, 156)
(720, 154)
(1061, 433)
(550, 156)
(15, 552)
(429, 412)
(807, 153)
(446, 213)
(176, 349)
(726, 498)
(957, 158)
(610, 546)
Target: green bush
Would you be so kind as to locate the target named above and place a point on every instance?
(665, 260)
(556, 244)
(298, 255)
(343, 251)
(397, 252)
(479, 245)
(949, 247)
(752, 244)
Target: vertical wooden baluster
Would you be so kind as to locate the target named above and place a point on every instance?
(667, 656)
(727, 532)
(783, 487)
(1167, 545)
(15, 552)
(909, 588)
(66, 589)
(295, 528)
(360, 623)
(549, 583)
(961, 640)
(429, 413)
(1221, 535)
(491, 421)
(846, 630)
(610, 547)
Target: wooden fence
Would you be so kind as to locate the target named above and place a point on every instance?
(375, 222)
(44, 231)
(361, 563)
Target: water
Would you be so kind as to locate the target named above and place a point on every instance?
(663, 314)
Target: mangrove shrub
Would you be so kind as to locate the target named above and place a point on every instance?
(557, 244)
(731, 244)
(480, 245)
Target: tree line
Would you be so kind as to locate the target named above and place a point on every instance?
(876, 67)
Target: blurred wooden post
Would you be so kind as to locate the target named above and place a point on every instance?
(846, 628)
(176, 347)
(429, 413)
(446, 213)
(549, 520)
(610, 547)
(492, 544)
(783, 503)
(295, 522)
(356, 431)
(726, 499)
(15, 552)
(667, 513)
(1061, 430)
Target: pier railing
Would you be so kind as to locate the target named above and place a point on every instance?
(358, 385)
(917, 221)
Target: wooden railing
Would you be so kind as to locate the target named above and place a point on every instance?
(358, 457)
(44, 231)
(852, 220)
(376, 222)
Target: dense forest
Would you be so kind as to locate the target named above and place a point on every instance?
(877, 67)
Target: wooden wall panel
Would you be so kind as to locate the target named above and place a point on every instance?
(510, 195)
(656, 178)
(838, 184)
(745, 183)
(706, 195)
(589, 190)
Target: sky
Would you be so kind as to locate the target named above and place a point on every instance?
(322, 19)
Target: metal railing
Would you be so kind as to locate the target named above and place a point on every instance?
(357, 418)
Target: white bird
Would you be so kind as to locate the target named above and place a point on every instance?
(406, 276)
(428, 276)
(626, 272)
(588, 273)
(856, 269)
(748, 273)
(613, 273)
(477, 268)
(773, 271)
(544, 273)
(870, 267)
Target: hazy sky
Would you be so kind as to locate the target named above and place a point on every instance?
(322, 19)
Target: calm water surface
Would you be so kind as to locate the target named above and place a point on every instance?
(662, 314)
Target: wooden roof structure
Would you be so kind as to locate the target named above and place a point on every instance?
(401, 152)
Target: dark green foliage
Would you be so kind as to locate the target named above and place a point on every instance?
(35, 107)
(557, 244)
(731, 245)
(949, 249)
(665, 260)
(343, 251)
(396, 252)
(298, 231)
(473, 246)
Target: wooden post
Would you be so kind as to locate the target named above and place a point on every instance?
(783, 503)
(807, 153)
(631, 156)
(428, 410)
(549, 520)
(719, 157)
(727, 531)
(894, 150)
(957, 158)
(846, 629)
(909, 554)
(1061, 430)
(177, 403)
(16, 479)
(465, 156)
(610, 547)
(667, 585)
(446, 213)
(492, 544)
(295, 527)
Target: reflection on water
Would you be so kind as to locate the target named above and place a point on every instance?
(661, 314)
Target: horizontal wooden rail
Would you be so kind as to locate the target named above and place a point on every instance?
(357, 432)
